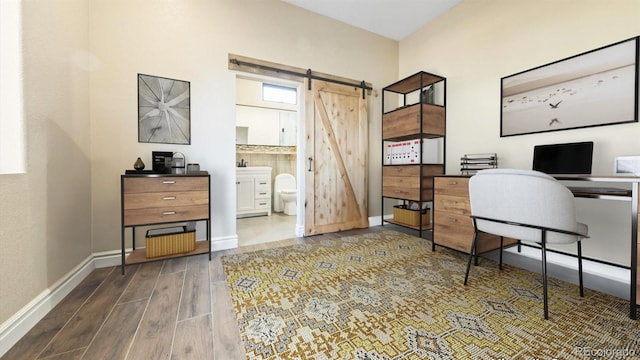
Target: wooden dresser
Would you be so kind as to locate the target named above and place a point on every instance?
(452, 225)
(152, 199)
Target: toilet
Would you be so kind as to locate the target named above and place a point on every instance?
(285, 194)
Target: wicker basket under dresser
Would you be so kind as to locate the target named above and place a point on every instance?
(153, 199)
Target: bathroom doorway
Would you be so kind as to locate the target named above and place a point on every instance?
(267, 136)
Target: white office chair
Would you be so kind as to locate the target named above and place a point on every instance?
(525, 205)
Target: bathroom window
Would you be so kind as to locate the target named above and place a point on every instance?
(279, 94)
(12, 147)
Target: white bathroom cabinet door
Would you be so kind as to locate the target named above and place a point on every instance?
(245, 197)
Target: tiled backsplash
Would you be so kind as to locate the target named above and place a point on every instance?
(281, 159)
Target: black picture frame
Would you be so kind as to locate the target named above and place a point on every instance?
(164, 110)
(595, 88)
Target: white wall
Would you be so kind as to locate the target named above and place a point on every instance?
(479, 42)
(190, 40)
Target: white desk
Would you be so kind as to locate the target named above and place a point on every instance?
(632, 196)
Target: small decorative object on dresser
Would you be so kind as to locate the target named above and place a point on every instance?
(138, 165)
(193, 167)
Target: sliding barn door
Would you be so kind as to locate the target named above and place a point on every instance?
(336, 153)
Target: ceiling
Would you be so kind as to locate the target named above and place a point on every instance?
(393, 19)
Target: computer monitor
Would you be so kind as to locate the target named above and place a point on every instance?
(569, 158)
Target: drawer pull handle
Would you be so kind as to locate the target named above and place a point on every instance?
(264, 203)
(263, 193)
(453, 220)
(452, 183)
(169, 182)
(169, 198)
(169, 213)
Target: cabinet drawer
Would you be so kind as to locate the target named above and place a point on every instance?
(456, 232)
(262, 204)
(404, 121)
(262, 194)
(428, 170)
(165, 184)
(166, 214)
(452, 204)
(164, 199)
(403, 182)
(457, 186)
(262, 187)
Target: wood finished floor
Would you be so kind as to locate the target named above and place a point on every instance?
(172, 309)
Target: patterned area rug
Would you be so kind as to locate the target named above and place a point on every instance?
(386, 295)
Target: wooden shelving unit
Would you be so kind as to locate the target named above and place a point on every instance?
(413, 141)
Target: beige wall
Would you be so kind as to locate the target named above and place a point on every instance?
(82, 58)
(45, 222)
(191, 40)
(480, 41)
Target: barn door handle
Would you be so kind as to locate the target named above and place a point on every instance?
(310, 159)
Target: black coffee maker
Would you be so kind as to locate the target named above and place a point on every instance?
(162, 161)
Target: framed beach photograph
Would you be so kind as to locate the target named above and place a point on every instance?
(596, 88)
(164, 110)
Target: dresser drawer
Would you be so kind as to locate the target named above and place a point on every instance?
(165, 214)
(134, 185)
(452, 204)
(453, 186)
(164, 199)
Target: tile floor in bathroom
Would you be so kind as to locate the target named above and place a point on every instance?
(263, 229)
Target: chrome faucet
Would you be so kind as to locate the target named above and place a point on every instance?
(242, 163)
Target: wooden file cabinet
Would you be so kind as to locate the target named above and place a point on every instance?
(163, 199)
(453, 227)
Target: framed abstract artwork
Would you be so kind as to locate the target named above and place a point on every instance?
(596, 88)
(164, 110)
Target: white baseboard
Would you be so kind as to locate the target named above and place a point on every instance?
(224, 243)
(14, 328)
(601, 277)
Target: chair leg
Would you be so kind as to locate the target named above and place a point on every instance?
(471, 252)
(501, 247)
(580, 268)
(544, 276)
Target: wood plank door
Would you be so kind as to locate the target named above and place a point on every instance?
(336, 131)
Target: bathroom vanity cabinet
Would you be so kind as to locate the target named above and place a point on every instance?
(253, 188)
